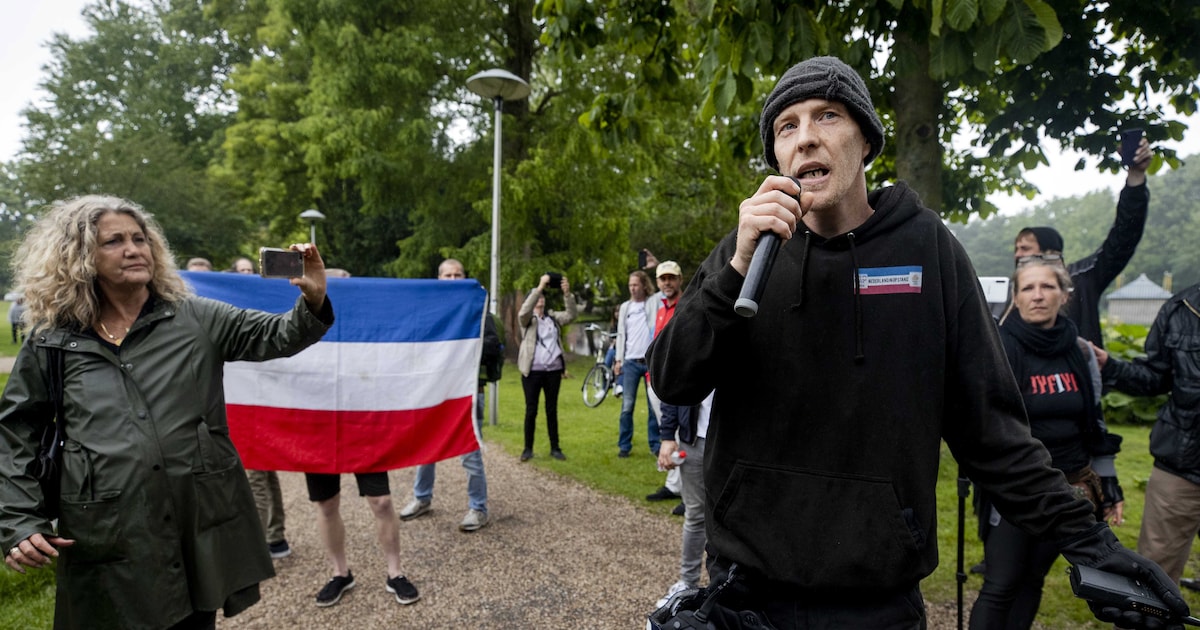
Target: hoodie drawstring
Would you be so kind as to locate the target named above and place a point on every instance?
(859, 356)
(803, 264)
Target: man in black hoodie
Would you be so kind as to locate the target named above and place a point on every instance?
(1092, 274)
(872, 343)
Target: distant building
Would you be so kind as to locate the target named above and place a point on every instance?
(1137, 302)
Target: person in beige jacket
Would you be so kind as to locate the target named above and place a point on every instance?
(541, 359)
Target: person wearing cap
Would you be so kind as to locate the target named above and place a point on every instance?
(872, 345)
(669, 275)
(1092, 274)
(635, 328)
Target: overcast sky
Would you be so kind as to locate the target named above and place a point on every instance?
(30, 24)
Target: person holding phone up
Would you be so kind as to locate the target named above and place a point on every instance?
(1092, 274)
(157, 526)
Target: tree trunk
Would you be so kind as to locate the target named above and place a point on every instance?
(917, 101)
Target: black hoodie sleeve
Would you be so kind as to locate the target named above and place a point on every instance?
(686, 357)
(1106, 263)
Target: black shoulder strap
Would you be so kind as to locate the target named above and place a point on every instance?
(54, 360)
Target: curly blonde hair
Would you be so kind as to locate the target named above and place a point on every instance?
(55, 265)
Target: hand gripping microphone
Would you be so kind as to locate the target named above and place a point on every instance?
(760, 267)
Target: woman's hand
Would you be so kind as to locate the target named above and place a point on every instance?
(565, 285)
(36, 552)
(312, 283)
(1115, 514)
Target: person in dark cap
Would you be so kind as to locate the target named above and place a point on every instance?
(871, 345)
(1092, 274)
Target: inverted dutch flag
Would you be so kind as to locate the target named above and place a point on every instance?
(391, 384)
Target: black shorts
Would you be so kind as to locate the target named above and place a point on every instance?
(322, 487)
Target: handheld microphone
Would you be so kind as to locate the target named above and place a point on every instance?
(760, 267)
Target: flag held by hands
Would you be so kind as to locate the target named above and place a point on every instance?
(391, 385)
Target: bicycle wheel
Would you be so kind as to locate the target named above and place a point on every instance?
(595, 385)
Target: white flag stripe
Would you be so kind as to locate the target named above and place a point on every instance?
(369, 376)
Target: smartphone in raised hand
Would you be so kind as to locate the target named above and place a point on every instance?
(1130, 139)
(280, 263)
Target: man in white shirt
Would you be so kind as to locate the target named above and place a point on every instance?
(635, 329)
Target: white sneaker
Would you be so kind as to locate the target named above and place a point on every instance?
(675, 588)
(415, 508)
(474, 520)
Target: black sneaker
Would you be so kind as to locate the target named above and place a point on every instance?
(662, 494)
(279, 549)
(333, 590)
(623, 454)
(404, 590)
(526, 455)
(679, 510)
(557, 454)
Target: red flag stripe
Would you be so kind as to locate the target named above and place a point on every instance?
(306, 440)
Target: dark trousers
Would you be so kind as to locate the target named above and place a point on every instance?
(533, 384)
(781, 607)
(200, 620)
(1017, 564)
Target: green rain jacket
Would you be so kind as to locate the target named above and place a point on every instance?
(153, 491)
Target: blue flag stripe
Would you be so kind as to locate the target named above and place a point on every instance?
(366, 310)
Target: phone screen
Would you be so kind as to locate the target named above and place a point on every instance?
(641, 259)
(280, 263)
(1130, 139)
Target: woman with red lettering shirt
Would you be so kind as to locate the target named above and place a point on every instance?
(1060, 383)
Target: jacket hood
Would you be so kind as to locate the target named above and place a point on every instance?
(893, 206)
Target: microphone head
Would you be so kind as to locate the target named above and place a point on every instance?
(745, 307)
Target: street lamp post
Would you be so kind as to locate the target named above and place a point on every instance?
(312, 216)
(498, 85)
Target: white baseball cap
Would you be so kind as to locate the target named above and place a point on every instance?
(668, 268)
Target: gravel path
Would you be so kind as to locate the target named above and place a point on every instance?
(556, 555)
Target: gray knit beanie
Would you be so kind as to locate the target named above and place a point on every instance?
(821, 77)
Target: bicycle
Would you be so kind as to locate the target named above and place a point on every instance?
(599, 379)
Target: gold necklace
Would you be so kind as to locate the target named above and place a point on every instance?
(116, 340)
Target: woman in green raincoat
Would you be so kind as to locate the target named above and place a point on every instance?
(157, 525)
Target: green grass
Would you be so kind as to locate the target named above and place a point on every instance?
(28, 599)
(7, 347)
(588, 437)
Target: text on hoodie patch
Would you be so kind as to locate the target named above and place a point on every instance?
(888, 280)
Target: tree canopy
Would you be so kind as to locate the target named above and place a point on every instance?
(137, 110)
(1172, 225)
(228, 118)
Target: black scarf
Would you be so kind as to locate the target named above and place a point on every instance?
(1045, 342)
(1061, 339)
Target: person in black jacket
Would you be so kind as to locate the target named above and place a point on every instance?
(1172, 364)
(872, 344)
(1059, 380)
(1092, 274)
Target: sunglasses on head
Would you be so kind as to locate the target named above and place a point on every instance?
(1042, 257)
